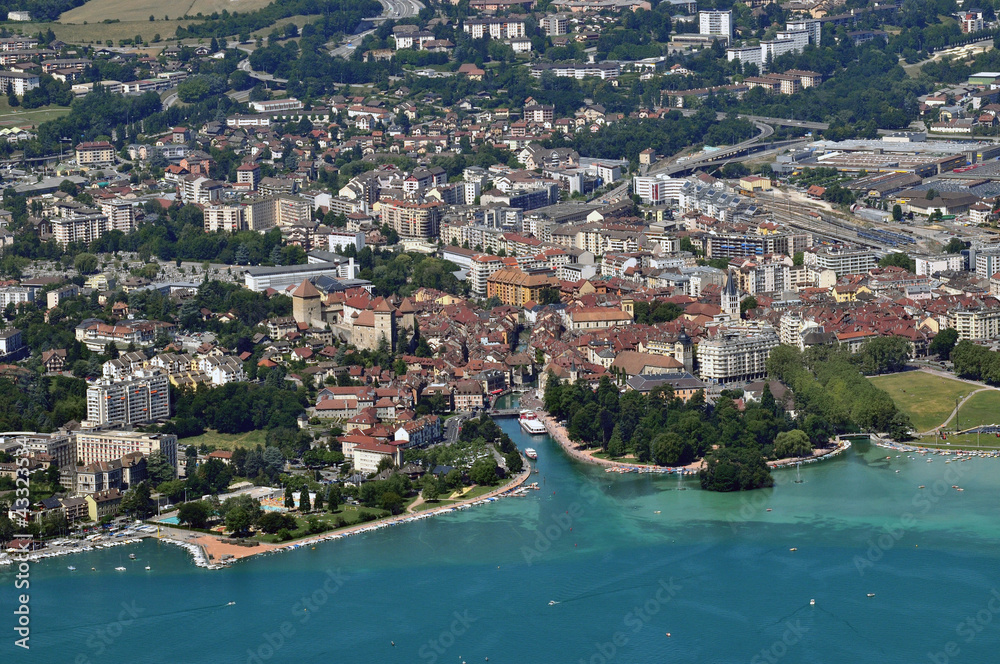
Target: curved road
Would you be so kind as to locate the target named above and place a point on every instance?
(391, 9)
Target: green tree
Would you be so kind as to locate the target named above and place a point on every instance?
(484, 472)
(136, 502)
(158, 469)
(898, 259)
(304, 504)
(333, 499)
(85, 263)
(897, 213)
(289, 498)
(884, 355)
(954, 246)
(792, 444)
(195, 513)
(391, 501)
(943, 343)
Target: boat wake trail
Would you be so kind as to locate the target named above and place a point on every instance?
(142, 618)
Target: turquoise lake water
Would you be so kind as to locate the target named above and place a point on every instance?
(594, 567)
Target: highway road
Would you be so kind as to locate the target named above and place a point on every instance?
(669, 168)
(391, 9)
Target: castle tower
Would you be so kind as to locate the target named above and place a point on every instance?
(385, 323)
(307, 305)
(407, 314)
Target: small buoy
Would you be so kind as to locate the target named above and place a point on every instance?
(668, 633)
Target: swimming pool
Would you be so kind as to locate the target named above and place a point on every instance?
(172, 520)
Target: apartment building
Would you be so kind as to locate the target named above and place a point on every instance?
(95, 153)
(61, 446)
(411, 219)
(844, 260)
(84, 228)
(716, 23)
(979, 324)
(227, 218)
(143, 397)
(110, 444)
(515, 287)
(735, 357)
(120, 215)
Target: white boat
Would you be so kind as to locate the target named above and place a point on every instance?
(131, 556)
(531, 453)
(120, 568)
(530, 424)
(71, 568)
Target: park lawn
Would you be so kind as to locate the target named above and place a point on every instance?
(225, 441)
(927, 399)
(437, 503)
(351, 514)
(982, 408)
(965, 442)
(20, 117)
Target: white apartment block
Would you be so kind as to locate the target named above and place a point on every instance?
(747, 55)
(95, 446)
(988, 262)
(811, 26)
(340, 240)
(144, 397)
(120, 214)
(714, 22)
(735, 357)
(494, 28)
(83, 228)
(225, 218)
(844, 260)
(928, 265)
(15, 295)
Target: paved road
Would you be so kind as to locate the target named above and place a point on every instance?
(391, 9)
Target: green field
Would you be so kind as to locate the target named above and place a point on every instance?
(99, 33)
(981, 408)
(96, 11)
(225, 441)
(926, 398)
(20, 117)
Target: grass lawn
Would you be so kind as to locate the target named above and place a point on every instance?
(982, 408)
(926, 398)
(966, 442)
(468, 493)
(28, 116)
(225, 441)
(437, 503)
(351, 515)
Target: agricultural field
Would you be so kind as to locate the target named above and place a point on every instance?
(99, 33)
(96, 11)
(926, 398)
